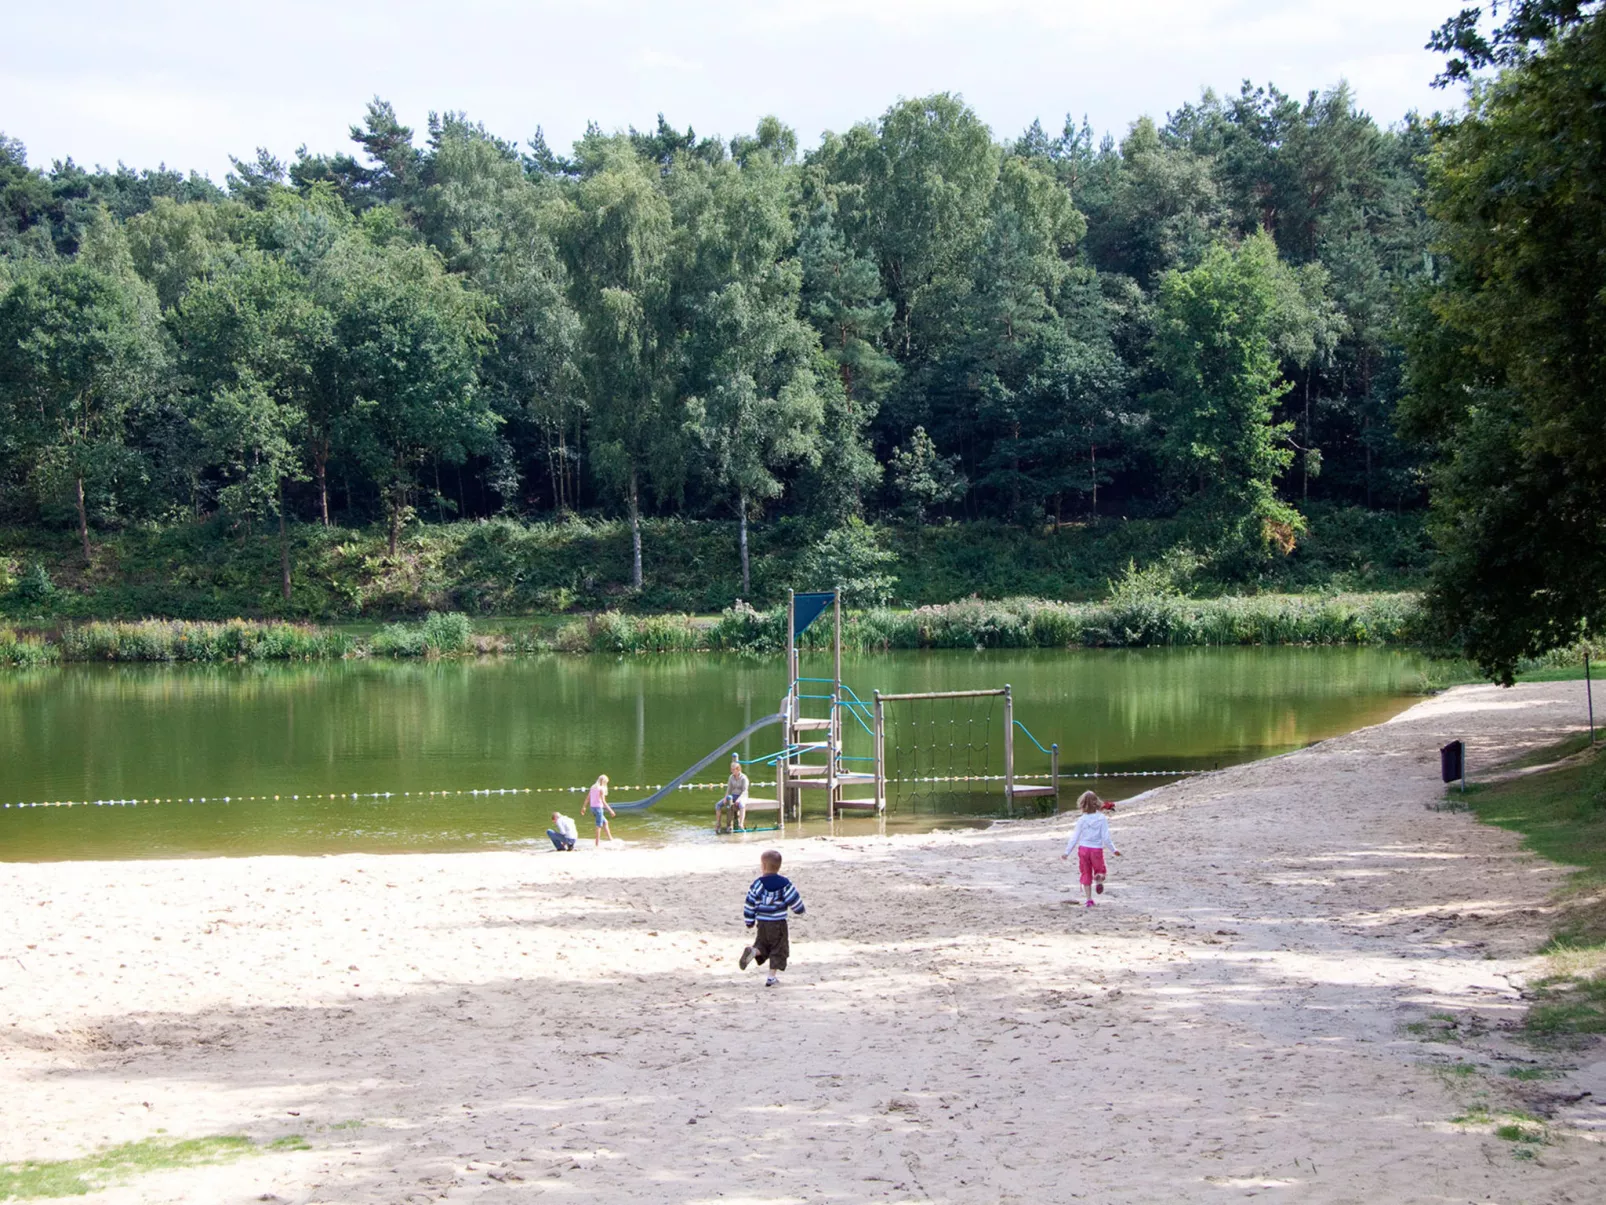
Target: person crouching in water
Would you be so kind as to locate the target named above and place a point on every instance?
(1089, 839)
(730, 813)
(768, 899)
(564, 835)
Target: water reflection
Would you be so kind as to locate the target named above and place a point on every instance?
(136, 732)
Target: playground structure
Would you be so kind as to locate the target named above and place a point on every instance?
(817, 714)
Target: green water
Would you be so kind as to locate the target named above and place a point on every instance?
(180, 733)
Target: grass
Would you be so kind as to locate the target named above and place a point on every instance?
(1561, 814)
(90, 1173)
(1532, 1074)
(210, 570)
(1124, 621)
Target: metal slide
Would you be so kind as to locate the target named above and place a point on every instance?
(636, 805)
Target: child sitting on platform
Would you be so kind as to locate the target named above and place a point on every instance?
(1089, 839)
(768, 899)
(730, 813)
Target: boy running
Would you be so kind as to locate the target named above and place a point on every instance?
(767, 901)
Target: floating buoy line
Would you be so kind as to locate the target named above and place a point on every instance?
(486, 791)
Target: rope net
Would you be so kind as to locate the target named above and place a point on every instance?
(940, 747)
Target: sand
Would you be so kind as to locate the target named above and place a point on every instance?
(1247, 1013)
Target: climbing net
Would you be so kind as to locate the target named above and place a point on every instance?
(940, 746)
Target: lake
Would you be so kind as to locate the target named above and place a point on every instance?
(277, 751)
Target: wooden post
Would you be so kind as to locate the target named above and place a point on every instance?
(1054, 770)
(1589, 694)
(880, 755)
(1009, 749)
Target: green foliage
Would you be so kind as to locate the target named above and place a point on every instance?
(502, 566)
(923, 478)
(674, 329)
(1214, 346)
(1506, 353)
(24, 651)
(439, 635)
(851, 557)
(179, 640)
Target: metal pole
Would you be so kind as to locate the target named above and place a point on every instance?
(1009, 749)
(834, 731)
(1589, 693)
(880, 754)
(789, 706)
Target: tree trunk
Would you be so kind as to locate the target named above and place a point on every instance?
(320, 465)
(635, 534)
(395, 520)
(83, 519)
(1304, 458)
(284, 550)
(1093, 460)
(747, 577)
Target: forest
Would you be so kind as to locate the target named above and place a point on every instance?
(913, 322)
(1237, 324)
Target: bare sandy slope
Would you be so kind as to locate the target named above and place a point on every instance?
(1231, 1021)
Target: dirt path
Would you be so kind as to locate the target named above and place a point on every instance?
(1248, 1012)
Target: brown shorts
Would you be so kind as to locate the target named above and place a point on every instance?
(770, 942)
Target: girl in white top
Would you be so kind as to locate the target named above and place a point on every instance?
(1089, 839)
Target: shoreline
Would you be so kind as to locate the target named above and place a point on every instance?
(1240, 1014)
(1149, 620)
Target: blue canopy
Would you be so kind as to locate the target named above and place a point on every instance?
(806, 609)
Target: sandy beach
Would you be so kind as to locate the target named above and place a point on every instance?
(1248, 1013)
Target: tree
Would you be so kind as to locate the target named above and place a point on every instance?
(842, 296)
(1508, 353)
(616, 241)
(495, 227)
(406, 341)
(754, 407)
(922, 477)
(913, 194)
(1214, 346)
(80, 347)
(1158, 210)
(247, 340)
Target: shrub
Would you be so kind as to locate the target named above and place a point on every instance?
(853, 558)
(25, 652)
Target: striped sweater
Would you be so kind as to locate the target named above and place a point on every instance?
(769, 897)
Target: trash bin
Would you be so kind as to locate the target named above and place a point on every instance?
(1453, 761)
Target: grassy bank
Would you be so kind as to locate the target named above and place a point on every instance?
(1561, 814)
(1121, 622)
(208, 570)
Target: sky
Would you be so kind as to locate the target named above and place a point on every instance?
(187, 84)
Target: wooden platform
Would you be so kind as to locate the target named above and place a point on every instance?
(820, 784)
(1027, 792)
(861, 805)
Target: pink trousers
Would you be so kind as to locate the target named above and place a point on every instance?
(1090, 860)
